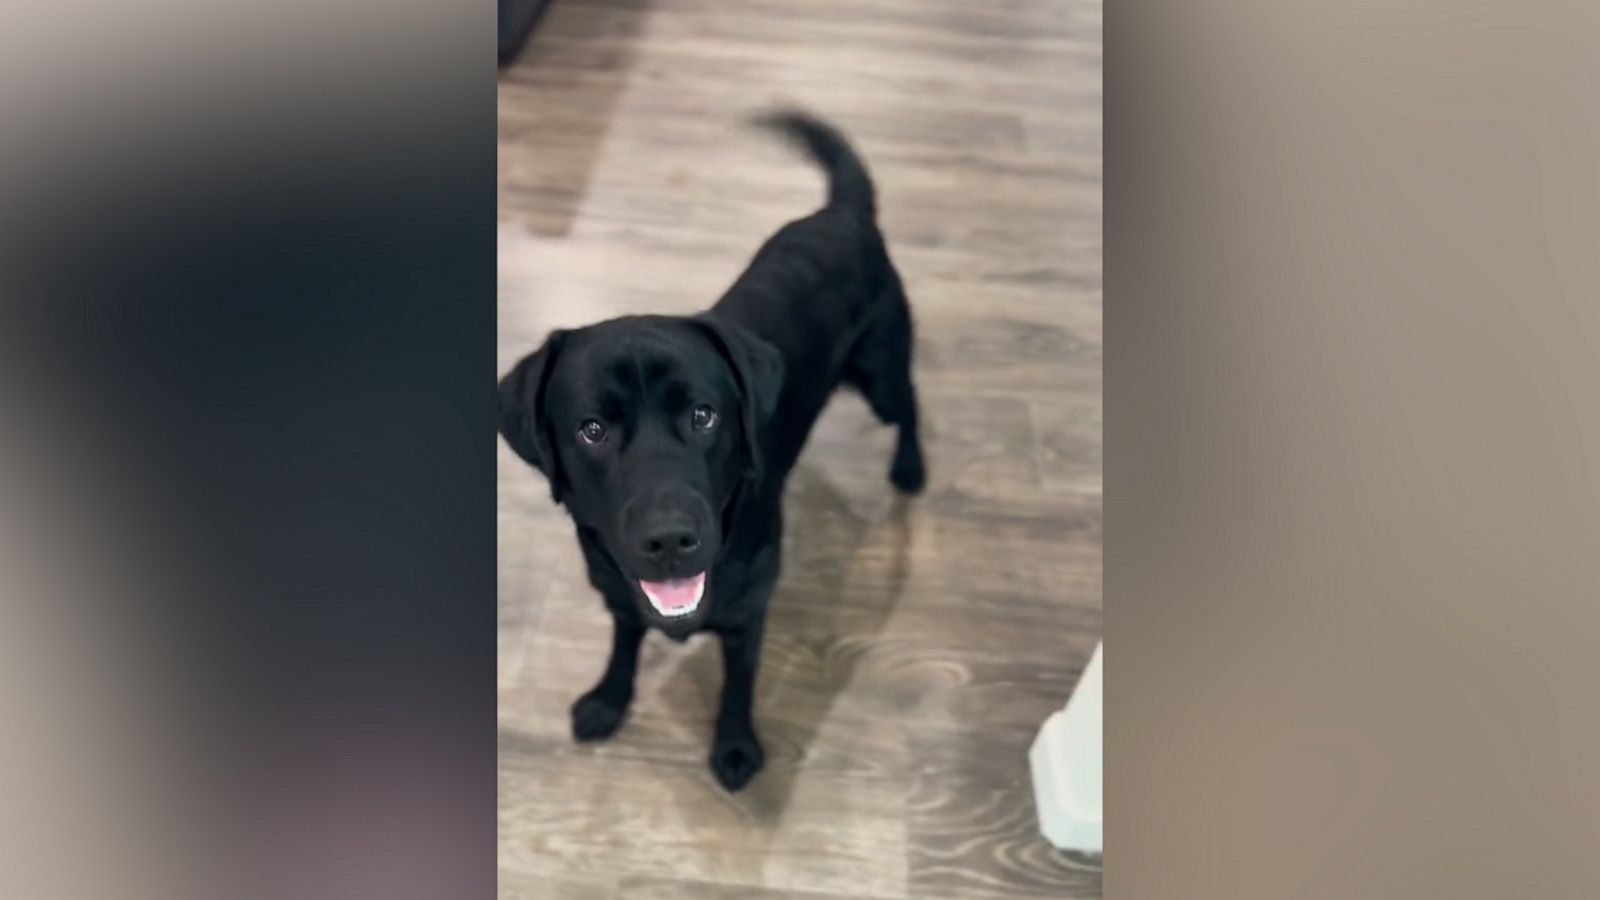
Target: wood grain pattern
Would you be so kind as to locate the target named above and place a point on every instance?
(914, 647)
(972, 831)
(667, 889)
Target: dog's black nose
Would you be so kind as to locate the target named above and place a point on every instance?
(669, 540)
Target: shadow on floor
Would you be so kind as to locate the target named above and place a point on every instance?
(797, 690)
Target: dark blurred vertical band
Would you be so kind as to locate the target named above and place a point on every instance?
(246, 454)
(1352, 449)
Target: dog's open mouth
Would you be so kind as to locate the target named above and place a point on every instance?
(675, 598)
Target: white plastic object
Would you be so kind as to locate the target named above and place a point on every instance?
(1066, 763)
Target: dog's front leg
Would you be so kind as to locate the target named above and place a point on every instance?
(736, 754)
(599, 713)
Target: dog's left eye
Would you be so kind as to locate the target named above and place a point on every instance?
(703, 418)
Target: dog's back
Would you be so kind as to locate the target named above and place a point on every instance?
(823, 291)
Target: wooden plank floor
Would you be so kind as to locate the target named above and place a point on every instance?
(914, 647)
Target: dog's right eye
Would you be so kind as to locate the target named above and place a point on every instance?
(591, 431)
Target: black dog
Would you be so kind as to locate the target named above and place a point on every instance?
(669, 439)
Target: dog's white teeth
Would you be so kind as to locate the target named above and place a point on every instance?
(673, 611)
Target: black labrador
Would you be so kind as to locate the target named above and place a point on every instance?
(669, 438)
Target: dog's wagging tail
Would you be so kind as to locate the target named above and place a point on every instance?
(848, 184)
(668, 439)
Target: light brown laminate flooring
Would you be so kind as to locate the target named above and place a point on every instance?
(914, 647)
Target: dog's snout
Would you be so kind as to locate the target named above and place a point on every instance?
(667, 533)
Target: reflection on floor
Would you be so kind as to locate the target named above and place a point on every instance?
(914, 648)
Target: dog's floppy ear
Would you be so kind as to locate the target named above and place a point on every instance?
(758, 368)
(523, 421)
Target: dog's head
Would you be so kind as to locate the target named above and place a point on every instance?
(646, 428)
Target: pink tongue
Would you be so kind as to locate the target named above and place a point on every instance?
(674, 594)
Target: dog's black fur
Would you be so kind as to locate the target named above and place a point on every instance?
(669, 439)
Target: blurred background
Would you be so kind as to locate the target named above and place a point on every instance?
(246, 540)
(914, 648)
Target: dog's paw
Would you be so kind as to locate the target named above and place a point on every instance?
(736, 758)
(597, 716)
(907, 474)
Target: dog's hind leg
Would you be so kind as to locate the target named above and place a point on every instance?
(908, 472)
(880, 367)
